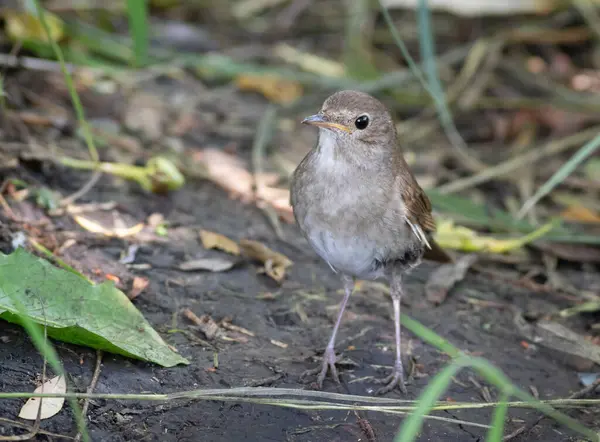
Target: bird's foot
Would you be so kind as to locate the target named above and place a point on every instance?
(329, 361)
(395, 379)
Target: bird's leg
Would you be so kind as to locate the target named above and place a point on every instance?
(329, 358)
(396, 378)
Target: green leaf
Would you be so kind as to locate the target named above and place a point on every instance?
(76, 311)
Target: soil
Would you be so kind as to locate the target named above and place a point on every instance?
(366, 338)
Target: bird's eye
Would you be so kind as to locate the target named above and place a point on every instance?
(362, 122)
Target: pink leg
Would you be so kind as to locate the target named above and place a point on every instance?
(329, 358)
(396, 378)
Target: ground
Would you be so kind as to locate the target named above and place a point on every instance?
(366, 337)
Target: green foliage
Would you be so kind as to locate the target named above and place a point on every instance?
(76, 311)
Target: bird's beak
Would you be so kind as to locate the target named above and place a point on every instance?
(321, 121)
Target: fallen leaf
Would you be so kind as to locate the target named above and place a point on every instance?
(580, 214)
(445, 277)
(114, 232)
(309, 62)
(557, 337)
(468, 8)
(279, 343)
(227, 325)
(210, 264)
(145, 113)
(212, 240)
(275, 88)
(21, 25)
(274, 263)
(113, 278)
(230, 173)
(451, 236)
(50, 406)
(588, 379)
(138, 286)
(76, 311)
(207, 325)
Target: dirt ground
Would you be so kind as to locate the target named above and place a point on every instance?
(366, 338)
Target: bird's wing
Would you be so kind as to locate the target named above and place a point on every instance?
(420, 219)
(418, 208)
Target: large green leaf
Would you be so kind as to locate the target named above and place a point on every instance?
(76, 311)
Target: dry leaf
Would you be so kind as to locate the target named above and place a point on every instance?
(139, 284)
(118, 232)
(230, 173)
(279, 343)
(557, 337)
(205, 323)
(580, 214)
(236, 328)
(470, 8)
(445, 277)
(274, 88)
(309, 62)
(211, 240)
(274, 262)
(50, 406)
(210, 264)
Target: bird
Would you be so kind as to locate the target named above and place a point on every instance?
(359, 206)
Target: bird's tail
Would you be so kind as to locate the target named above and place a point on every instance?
(436, 253)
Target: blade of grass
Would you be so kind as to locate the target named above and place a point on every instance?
(138, 25)
(357, 59)
(411, 426)
(87, 133)
(565, 170)
(430, 336)
(439, 101)
(38, 338)
(496, 433)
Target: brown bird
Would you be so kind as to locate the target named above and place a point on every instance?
(361, 209)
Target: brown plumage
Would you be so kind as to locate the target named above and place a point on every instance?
(360, 207)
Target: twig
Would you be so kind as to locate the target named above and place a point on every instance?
(33, 431)
(36, 64)
(577, 395)
(91, 388)
(81, 192)
(17, 424)
(528, 158)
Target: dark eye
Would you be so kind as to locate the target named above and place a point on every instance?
(362, 122)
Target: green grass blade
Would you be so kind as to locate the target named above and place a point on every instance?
(138, 28)
(87, 133)
(426, 46)
(429, 336)
(566, 169)
(357, 58)
(435, 388)
(42, 345)
(425, 39)
(496, 433)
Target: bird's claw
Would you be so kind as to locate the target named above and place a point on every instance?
(329, 361)
(395, 379)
